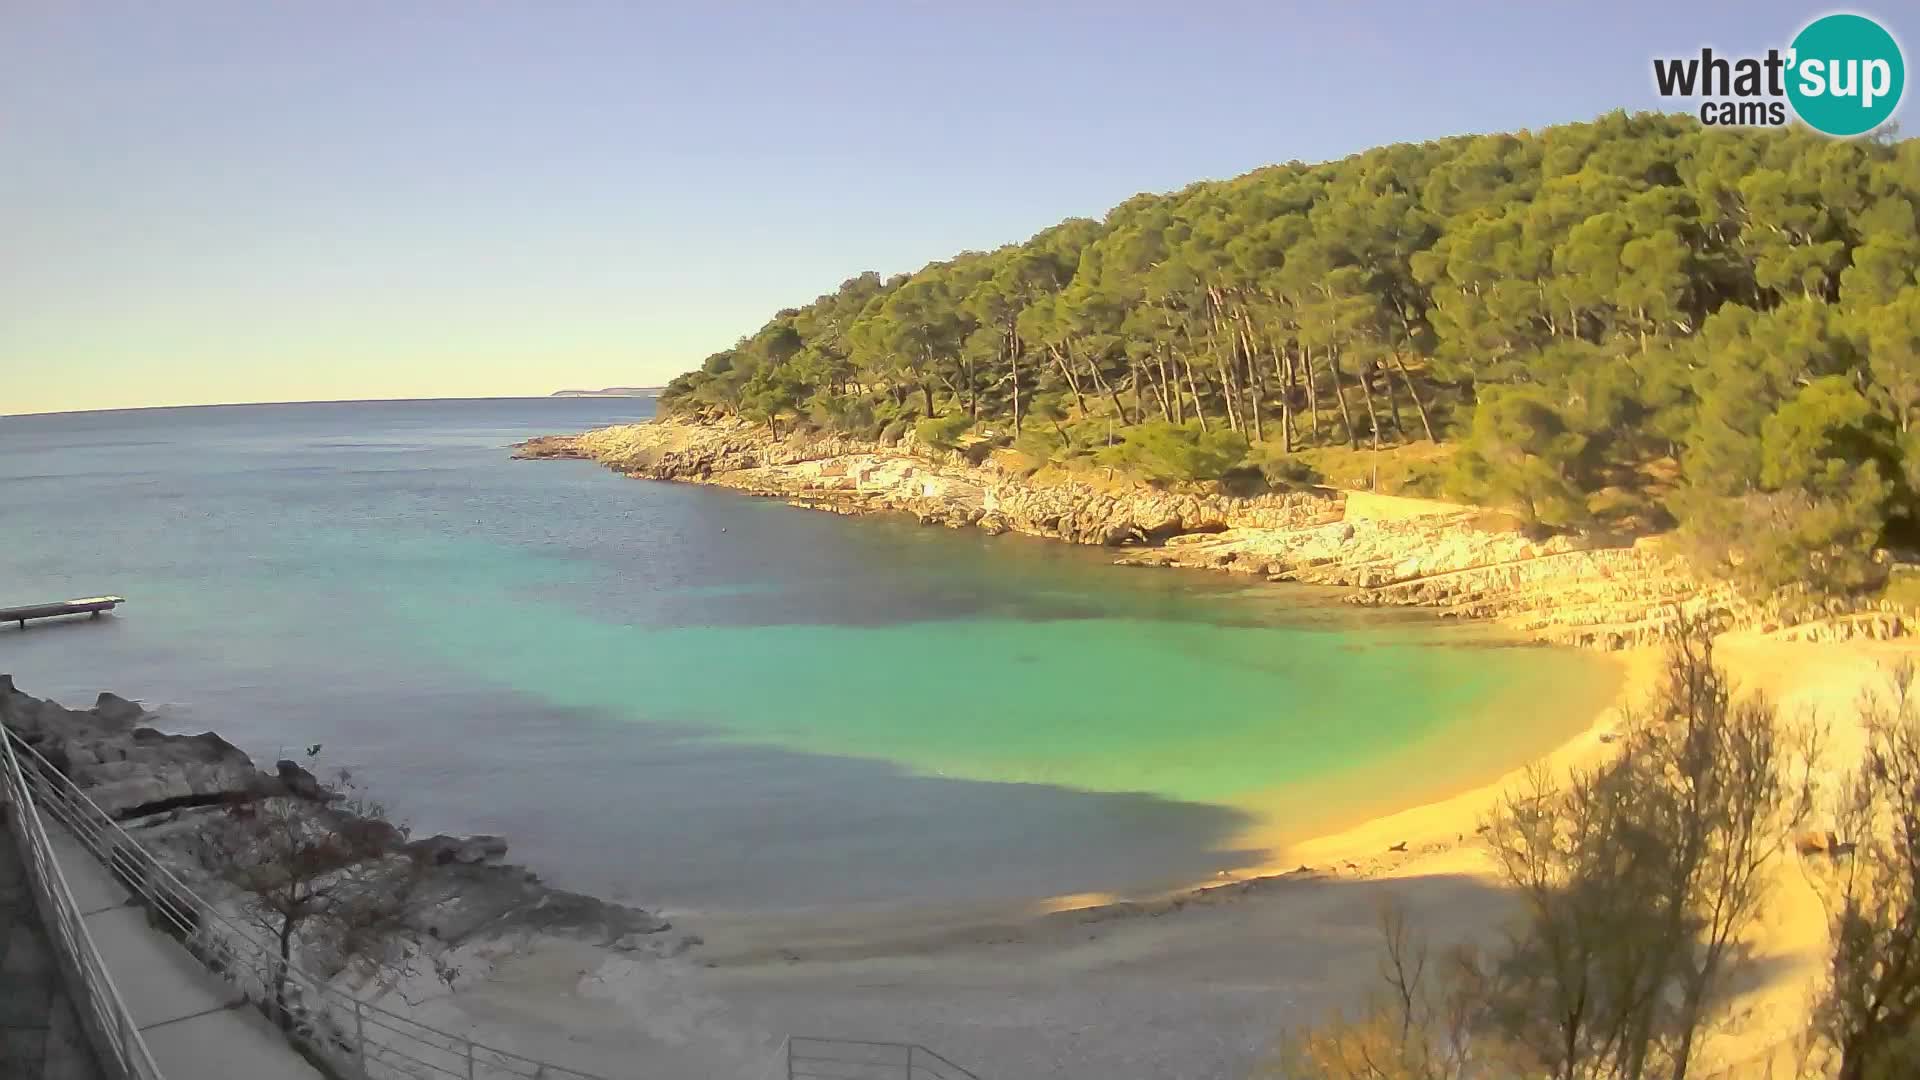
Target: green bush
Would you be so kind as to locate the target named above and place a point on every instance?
(682, 394)
(1285, 472)
(1425, 479)
(1042, 445)
(846, 415)
(1522, 456)
(943, 431)
(1830, 479)
(1177, 452)
(892, 430)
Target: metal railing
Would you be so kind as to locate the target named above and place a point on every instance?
(855, 1059)
(352, 1037)
(115, 1038)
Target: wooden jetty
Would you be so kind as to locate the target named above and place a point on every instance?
(86, 605)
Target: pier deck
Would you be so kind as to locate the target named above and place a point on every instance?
(88, 605)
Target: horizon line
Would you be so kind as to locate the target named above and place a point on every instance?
(555, 396)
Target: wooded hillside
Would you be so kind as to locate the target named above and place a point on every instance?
(1634, 322)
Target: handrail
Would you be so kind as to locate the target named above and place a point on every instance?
(812, 1058)
(356, 1038)
(115, 1037)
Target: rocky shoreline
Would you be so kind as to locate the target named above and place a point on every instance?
(1460, 561)
(468, 906)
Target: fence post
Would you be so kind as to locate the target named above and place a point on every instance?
(469, 1059)
(789, 1057)
(360, 1038)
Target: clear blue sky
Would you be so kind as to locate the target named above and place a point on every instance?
(245, 200)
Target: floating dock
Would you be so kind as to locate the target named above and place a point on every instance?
(88, 605)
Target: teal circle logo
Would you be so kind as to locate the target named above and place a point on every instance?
(1847, 74)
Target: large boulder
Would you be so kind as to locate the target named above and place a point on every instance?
(443, 850)
(116, 712)
(124, 768)
(300, 783)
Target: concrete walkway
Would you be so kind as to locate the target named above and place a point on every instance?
(40, 1036)
(194, 1022)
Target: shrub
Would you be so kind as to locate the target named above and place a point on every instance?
(1522, 456)
(1175, 452)
(1285, 472)
(682, 394)
(1639, 881)
(891, 431)
(943, 431)
(1830, 480)
(846, 415)
(1041, 445)
(1426, 479)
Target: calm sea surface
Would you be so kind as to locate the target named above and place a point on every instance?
(693, 699)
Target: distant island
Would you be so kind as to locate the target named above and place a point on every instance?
(612, 391)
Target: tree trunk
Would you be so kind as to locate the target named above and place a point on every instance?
(1106, 388)
(926, 391)
(1254, 380)
(1683, 1053)
(1254, 377)
(1199, 410)
(1066, 369)
(1313, 394)
(1229, 392)
(1393, 403)
(1419, 407)
(1366, 392)
(1283, 370)
(1286, 399)
(280, 1014)
(1858, 1051)
(1013, 360)
(1340, 396)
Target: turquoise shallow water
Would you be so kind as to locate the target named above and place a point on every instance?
(699, 700)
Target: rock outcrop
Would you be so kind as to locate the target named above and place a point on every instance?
(1462, 561)
(126, 768)
(165, 788)
(852, 476)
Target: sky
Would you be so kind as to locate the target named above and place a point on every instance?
(251, 200)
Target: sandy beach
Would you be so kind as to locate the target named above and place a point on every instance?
(1197, 983)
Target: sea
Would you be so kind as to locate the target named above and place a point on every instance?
(694, 700)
